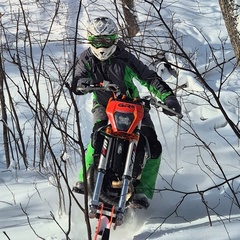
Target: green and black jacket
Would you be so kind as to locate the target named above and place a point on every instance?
(121, 68)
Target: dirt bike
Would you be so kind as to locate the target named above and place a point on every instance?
(117, 168)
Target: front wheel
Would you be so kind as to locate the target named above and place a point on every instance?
(109, 195)
(91, 180)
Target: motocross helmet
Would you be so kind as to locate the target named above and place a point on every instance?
(102, 34)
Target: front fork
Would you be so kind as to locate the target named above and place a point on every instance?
(102, 165)
(127, 176)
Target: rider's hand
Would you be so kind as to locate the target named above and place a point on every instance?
(172, 103)
(82, 85)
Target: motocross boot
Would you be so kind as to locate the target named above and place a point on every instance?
(140, 201)
(78, 188)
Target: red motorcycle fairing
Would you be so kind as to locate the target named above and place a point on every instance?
(124, 116)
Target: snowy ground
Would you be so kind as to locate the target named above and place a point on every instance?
(29, 199)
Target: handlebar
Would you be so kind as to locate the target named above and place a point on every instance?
(105, 86)
(157, 104)
(111, 87)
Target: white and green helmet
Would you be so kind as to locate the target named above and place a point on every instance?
(102, 34)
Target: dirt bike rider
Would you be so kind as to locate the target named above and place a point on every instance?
(107, 59)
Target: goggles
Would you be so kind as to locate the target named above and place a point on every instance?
(102, 41)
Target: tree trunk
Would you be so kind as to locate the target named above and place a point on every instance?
(130, 15)
(4, 113)
(229, 10)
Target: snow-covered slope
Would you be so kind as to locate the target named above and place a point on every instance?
(199, 152)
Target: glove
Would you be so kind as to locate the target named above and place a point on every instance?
(82, 84)
(172, 103)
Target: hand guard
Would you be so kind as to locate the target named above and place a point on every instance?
(82, 84)
(172, 103)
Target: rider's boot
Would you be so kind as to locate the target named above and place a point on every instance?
(140, 200)
(78, 188)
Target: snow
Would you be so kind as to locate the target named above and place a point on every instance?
(199, 152)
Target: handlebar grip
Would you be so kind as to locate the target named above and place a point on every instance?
(179, 115)
(154, 102)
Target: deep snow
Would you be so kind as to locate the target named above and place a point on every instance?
(28, 199)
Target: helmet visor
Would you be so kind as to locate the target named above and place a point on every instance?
(102, 41)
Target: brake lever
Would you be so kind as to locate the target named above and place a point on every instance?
(153, 101)
(179, 115)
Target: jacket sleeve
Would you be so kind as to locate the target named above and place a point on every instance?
(81, 72)
(149, 78)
